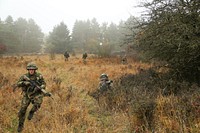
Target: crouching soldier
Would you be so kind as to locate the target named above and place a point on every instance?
(104, 86)
(33, 88)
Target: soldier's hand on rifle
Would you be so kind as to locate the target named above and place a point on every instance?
(48, 94)
(42, 86)
(109, 82)
(26, 83)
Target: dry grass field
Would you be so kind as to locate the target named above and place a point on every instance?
(72, 110)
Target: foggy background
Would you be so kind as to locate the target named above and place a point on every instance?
(48, 13)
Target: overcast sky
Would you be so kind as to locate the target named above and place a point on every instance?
(49, 13)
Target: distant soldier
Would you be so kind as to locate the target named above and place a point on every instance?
(124, 60)
(84, 57)
(105, 83)
(104, 86)
(33, 88)
(66, 55)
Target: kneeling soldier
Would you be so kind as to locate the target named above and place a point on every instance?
(104, 86)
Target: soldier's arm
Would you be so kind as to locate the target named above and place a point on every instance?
(21, 82)
(42, 81)
(43, 86)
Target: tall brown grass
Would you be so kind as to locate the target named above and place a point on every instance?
(72, 110)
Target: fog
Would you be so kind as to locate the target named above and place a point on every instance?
(48, 13)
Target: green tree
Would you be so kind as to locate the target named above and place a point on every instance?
(107, 39)
(60, 38)
(80, 35)
(7, 35)
(94, 36)
(112, 36)
(34, 37)
(20, 29)
(171, 33)
(20, 35)
(86, 35)
(29, 34)
(9, 20)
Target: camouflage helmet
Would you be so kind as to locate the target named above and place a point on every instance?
(103, 76)
(31, 66)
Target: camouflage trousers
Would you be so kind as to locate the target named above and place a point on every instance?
(98, 93)
(36, 101)
(66, 58)
(84, 61)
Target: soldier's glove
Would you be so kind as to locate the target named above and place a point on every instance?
(26, 83)
(48, 94)
(109, 82)
(42, 86)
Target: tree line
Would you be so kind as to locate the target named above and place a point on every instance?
(20, 36)
(88, 36)
(25, 36)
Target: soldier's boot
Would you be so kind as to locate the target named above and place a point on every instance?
(20, 127)
(30, 116)
(21, 116)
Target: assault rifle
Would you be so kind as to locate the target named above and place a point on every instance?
(109, 82)
(37, 87)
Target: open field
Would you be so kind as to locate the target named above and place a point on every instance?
(72, 109)
(136, 105)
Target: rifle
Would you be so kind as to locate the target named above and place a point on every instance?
(109, 82)
(37, 87)
(105, 86)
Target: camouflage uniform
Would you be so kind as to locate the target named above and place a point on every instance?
(104, 83)
(104, 86)
(84, 58)
(30, 94)
(124, 60)
(66, 55)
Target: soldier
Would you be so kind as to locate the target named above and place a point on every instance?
(104, 86)
(124, 60)
(84, 58)
(33, 88)
(66, 55)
